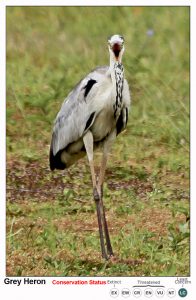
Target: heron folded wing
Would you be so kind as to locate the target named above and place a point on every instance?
(77, 112)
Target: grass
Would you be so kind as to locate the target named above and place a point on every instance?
(51, 218)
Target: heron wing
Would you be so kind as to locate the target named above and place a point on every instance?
(77, 112)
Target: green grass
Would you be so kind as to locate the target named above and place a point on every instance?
(51, 218)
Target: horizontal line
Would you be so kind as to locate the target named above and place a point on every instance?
(148, 285)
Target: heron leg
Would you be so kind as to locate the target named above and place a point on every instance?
(88, 143)
(107, 236)
(106, 149)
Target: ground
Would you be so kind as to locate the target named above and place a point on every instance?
(51, 217)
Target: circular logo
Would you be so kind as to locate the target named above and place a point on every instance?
(148, 292)
(125, 293)
(114, 292)
(171, 293)
(137, 292)
(182, 292)
(160, 292)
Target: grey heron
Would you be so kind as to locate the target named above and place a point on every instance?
(92, 115)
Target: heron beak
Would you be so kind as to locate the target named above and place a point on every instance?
(116, 49)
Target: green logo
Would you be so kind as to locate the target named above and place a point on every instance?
(182, 292)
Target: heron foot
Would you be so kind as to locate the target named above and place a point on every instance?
(108, 257)
(110, 254)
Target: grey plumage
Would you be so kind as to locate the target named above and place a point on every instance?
(77, 108)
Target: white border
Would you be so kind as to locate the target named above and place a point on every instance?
(49, 291)
(2, 138)
(96, 3)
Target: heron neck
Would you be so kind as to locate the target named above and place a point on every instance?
(117, 75)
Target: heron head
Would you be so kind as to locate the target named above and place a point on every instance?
(116, 46)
